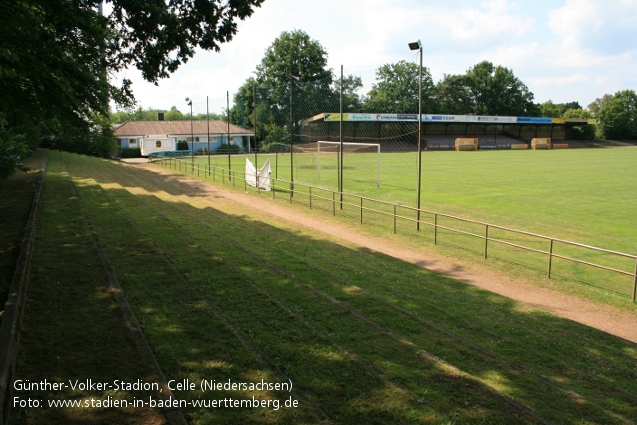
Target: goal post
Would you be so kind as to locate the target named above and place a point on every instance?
(351, 147)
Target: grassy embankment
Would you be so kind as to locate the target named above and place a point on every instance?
(73, 328)
(364, 338)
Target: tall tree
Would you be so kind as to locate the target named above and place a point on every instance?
(293, 55)
(396, 89)
(56, 55)
(618, 116)
(454, 96)
(293, 64)
(495, 90)
(549, 109)
(557, 110)
(352, 99)
(597, 104)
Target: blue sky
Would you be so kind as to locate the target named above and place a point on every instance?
(563, 50)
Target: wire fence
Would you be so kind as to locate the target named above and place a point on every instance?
(490, 235)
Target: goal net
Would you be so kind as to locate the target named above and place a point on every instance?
(325, 148)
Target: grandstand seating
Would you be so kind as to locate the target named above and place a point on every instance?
(485, 142)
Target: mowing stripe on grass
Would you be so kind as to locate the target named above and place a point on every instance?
(72, 327)
(249, 344)
(199, 344)
(173, 414)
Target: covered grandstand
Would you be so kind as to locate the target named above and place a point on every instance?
(398, 132)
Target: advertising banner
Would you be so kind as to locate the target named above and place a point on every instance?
(439, 118)
(170, 153)
(534, 120)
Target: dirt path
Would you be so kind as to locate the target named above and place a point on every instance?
(603, 317)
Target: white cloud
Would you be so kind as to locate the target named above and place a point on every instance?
(473, 25)
(559, 81)
(562, 49)
(609, 26)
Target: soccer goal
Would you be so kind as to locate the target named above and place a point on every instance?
(326, 147)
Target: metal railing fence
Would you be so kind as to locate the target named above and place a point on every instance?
(337, 197)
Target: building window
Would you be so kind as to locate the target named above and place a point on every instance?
(158, 144)
(132, 141)
(119, 142)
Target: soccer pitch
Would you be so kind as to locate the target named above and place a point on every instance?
(584, 195)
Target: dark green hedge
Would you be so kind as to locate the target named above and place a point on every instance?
(131, 153)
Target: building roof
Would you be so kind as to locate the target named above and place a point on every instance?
(145, 128)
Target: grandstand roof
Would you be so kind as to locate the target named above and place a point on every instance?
(445, 119)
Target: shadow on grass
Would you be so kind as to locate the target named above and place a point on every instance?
(325, 315)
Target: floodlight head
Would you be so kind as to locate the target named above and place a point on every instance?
(415, 45)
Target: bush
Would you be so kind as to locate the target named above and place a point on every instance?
(182, 145)
(223, 149)
(131, 153)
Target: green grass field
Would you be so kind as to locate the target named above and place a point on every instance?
(581, 195)
(223, 293)
(585, 195)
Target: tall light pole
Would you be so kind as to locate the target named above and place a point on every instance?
(417, 45)
(228, 110)
(192, 137)
(208, 124)
(291, 148)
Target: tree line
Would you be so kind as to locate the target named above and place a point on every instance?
(57, 59)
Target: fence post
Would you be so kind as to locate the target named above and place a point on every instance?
(435, 229)
(635, 283)
(290, 192)
(361, 210)
(394, 219)
(550, 257)
(486, 240)
(333, 203)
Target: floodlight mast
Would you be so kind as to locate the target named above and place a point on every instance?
(192, 136)
(417, 45)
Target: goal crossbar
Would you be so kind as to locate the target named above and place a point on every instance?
(359, 145)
